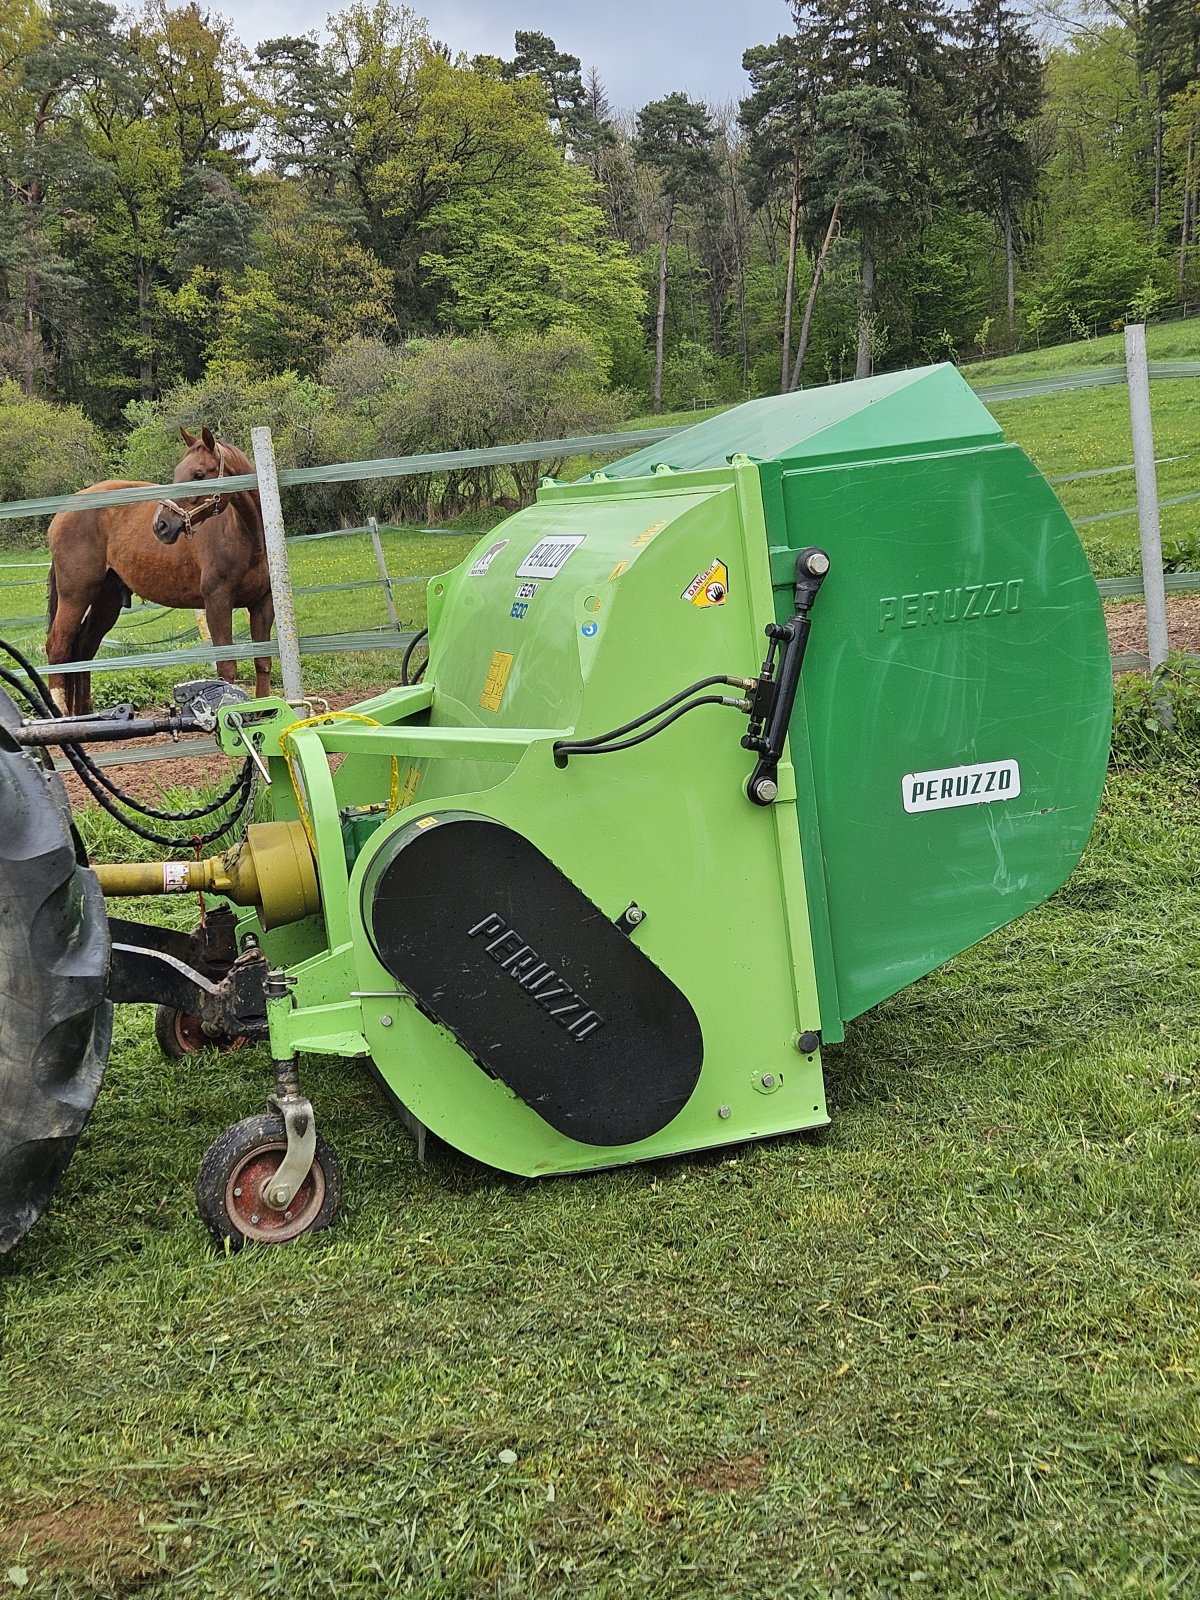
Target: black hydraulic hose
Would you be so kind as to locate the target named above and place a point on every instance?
(245, 782)
(593, 748)
(31, 672)
(581, 746)
(95, 780)
(407, 657)
(19, 687)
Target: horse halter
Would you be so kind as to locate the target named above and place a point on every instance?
(195, 510)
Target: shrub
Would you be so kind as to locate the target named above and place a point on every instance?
(1157, 718)
(44, 449)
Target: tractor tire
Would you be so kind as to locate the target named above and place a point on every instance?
(55, 1022)
(232, 1175)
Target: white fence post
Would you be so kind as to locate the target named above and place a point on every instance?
(281, 579)
(381, 563)
(1146, 478)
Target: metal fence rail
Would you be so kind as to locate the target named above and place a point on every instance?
(390, 638)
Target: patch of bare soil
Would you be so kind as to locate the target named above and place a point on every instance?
(742, 1473)
(149, 781)
(95, 1538)
(1127, 625)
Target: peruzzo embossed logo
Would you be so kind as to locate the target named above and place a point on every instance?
(537, 977)
(969, 602)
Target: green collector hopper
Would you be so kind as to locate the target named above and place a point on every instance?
(617, 913)
(715, 750)
(951, 732)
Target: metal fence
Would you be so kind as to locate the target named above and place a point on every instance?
(184, 649)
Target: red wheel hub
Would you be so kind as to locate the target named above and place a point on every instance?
(249, 1211)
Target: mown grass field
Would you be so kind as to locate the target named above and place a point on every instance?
(948, 1347)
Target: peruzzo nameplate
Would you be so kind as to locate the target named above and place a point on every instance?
(976, 785)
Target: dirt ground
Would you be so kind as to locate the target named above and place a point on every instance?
(1126, 634)
(1127, 625)
(149, 781)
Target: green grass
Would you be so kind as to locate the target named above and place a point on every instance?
(1165, 341)
(1088, 428)
(949, 1347)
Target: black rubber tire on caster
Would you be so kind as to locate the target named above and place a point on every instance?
(179, 1034)
(233, 1172)
(55, 1022)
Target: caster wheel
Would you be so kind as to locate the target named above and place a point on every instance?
(179, 1034)
(234, 1172)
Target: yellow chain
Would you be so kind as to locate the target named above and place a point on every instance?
(290, 759)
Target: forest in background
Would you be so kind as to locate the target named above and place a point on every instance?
(384, 245)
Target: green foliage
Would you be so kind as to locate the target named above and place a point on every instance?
(1156, 718)
(464, 394)
(525, 260)
(44, 449)
(1104, 268)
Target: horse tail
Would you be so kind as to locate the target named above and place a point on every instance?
(51, 596)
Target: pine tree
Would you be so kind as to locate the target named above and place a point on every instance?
(1003, 79)
(674, 137)
(899, 47)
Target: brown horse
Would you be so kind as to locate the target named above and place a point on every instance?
(99, 556)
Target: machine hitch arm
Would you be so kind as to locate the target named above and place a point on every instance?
(774, 696)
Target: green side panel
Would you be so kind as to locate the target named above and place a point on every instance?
(665, 824)
(929, 408)
(959, 627)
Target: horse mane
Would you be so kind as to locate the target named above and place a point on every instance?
(235, 459)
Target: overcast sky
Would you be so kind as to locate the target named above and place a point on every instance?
(642, 51)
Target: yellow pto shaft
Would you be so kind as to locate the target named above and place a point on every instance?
(271, 869)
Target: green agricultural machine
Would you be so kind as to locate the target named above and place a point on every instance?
(715, 750)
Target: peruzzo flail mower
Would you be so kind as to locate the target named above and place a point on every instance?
(606, 883)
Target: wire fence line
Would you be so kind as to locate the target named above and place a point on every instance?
(391, 637)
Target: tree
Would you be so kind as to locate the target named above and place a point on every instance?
(860, 165)
(51, 57)
(560, 76)
(778, 118)
(1003, 79)
(897, 48)
(674, 138)
(526, 260)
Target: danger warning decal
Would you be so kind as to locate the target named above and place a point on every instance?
(708, 588)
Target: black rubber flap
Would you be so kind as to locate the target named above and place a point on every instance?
(534, 981)
(55, 1023)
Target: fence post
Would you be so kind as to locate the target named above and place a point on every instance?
(1146, 478)
(383, 573)
(277, 562)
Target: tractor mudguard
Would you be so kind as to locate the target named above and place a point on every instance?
(55, 1023)
(538, 985)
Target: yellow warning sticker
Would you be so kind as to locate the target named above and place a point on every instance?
(497, 676)
(709, 588)
(426, 822)
(408, 791)
(647, 534)
(617, 570)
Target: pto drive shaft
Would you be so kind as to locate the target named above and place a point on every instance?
(272, 869)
